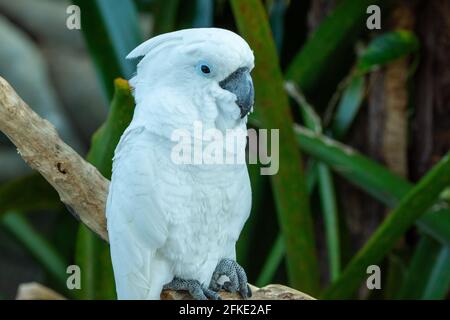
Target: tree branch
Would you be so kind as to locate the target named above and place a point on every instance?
(79, 184)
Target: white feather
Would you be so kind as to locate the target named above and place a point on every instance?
(166, 219)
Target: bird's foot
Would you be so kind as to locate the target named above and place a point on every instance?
(195, 288)
(237, 279)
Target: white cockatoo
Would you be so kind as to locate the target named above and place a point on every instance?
(175, 225)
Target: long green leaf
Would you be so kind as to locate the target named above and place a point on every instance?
(326, 186)
(409, 209)
(439, 282)
(278, 250)
(165, 14)
(340, 29)
(105, 140)
(288, 184)
(31, 192)
(329, 208)
(277, 253)
(37, 245)
(386, 48)
(111, 30)
(92, 253)
(372, 177)
(419, 270)
(348, 107)
(380, 51)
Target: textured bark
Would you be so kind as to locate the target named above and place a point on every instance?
(388, 102)
(381, 130)
(270, 292)
(36, 291)
(431, 130)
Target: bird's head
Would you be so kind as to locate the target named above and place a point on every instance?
(206, 71)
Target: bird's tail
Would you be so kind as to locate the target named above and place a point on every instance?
(140, 277)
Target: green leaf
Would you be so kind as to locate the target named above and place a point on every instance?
(386, 48)
(358, 169)
(348, 107)
(329, 208)
(165, 14)
(439, 283)
(395, 277)
(372, 177)
(289, 187)
(204, 14)
(28, 193)
(106, 138)
(111, 30)
(419, 270)
(436, 223)
(340, 29)
(409, 209)
(93, 256)
(326, 186)
(277, 253)
(278, 250)
(37, 245)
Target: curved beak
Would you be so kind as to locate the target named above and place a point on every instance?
(241, 84)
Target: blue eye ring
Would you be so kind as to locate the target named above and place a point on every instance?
(205, 69)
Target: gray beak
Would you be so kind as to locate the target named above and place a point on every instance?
(241, 84)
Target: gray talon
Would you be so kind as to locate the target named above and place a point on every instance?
(236, 275)
(196, 290)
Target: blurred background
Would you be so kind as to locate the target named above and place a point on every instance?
(385, 92)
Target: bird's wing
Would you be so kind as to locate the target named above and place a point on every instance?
(137, 225)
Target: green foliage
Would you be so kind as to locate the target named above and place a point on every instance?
(409, 209)
(288, 185)
(348, 106)
(326, 189)
(37, 246)
(386, 48)
(339, 30)
(165, 15)
(111, 30)
(372, 178)
(31, 192)
(107, 137)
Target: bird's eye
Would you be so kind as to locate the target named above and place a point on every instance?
(205, 69)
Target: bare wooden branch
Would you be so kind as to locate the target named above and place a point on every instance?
(270, 292)
(36, 291)
(79, 184)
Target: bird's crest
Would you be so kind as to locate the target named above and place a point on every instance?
(154, 43)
